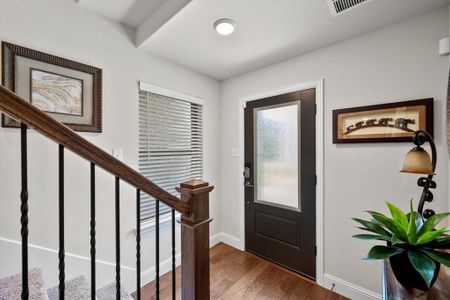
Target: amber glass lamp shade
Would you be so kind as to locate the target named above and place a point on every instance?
(418, 161)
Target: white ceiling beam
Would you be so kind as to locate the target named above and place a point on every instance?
(164, 12)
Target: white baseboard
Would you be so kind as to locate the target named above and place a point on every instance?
(215, 239)
(348, 289)
(165, 266)
(225, 238)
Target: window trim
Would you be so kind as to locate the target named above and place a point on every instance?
(155, 89)
(149, 225)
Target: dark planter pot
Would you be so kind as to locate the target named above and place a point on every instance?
(407, 275)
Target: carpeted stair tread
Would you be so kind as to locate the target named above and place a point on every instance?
(75, 289)
(11, 287)
(108, 292)
(79, 289)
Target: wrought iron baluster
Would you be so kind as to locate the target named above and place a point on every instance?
(61, 253)
(138, 244)
(117, 238)
(92, 233)
(174, 286)
(157, 249)
(24, 209)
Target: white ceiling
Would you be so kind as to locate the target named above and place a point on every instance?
(268, 31)
(128, 12)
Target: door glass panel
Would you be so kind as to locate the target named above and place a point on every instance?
(277, 155)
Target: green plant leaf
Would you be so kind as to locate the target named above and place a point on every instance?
(383, 252)
(442, 242)
(372, 237)
(396, 240)
(419, 222)
(365, 229)
(443, 258)
(373, 227)
(412, 226)
(444, 237)
(398, 215)
(390, 224)
(431, 236)
(418, 217)
(432, 222)
(424, 265)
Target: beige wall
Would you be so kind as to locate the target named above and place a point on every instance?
(396, 63)
(63, 28)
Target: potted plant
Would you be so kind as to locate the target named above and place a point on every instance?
(414, 246)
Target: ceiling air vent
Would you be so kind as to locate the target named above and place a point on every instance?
(341, 6)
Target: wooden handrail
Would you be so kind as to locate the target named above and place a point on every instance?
(24, 112)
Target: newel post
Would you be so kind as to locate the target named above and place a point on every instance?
(195, 241)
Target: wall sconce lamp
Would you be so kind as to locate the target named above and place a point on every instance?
(418, 161)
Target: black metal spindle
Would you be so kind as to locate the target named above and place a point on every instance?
(92, 232)
(117, 238)
(174, 295)
(24, 209)
(138, 244)
(61, 253)
(157, 249)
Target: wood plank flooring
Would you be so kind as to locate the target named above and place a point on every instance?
(240, 275)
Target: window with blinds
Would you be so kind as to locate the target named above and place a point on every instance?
(170, 145)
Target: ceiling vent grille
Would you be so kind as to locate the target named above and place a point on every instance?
(341, 6)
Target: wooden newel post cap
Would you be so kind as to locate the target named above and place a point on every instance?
(196, 193)
(195, 186)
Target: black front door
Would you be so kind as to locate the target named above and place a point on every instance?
(280, 180)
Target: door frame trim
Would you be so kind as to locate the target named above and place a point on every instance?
(318, 85)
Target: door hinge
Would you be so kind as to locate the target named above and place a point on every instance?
(315, 179)
(315, 109)
(315, 250)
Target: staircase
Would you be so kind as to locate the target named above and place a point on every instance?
(77, 288)
(193, 206)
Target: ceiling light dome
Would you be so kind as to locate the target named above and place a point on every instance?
(225, 26)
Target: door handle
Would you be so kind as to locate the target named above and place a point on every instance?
(248, 184)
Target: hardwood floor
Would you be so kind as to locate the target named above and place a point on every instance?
(240, 275)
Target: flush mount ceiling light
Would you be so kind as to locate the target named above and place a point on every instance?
(225, 26)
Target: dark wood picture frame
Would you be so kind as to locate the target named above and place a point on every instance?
(9, 54)
(428, 123)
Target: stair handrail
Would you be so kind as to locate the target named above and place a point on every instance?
(24, 112)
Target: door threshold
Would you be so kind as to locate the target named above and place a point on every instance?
(283, 267)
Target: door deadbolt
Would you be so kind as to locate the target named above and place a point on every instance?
(247, 171)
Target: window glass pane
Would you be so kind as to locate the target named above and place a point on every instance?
(277, 155)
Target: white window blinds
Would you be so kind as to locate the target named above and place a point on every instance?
(170, 145)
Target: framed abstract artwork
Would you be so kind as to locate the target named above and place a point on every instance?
(69, 91)
(391, 122)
